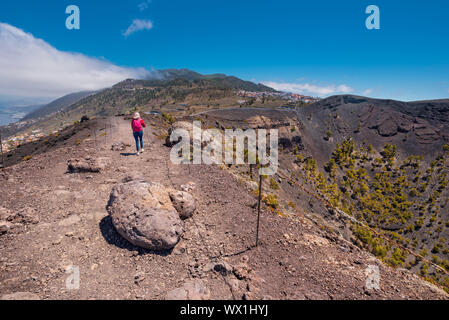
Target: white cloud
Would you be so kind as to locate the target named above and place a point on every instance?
(138, 25)
(144, 5)
(367, 92)
(310, 89)
(30, 67)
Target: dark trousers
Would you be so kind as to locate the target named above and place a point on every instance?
(138, 136)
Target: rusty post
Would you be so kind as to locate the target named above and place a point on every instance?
(258, 210)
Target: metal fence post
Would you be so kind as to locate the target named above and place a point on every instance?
(258, 210)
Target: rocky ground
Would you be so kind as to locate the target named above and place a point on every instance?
(54, 219)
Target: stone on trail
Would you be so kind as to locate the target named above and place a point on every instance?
(143, 214)
(88, 164)
(191, 290)
(133, 176)
(24, 216)
(4, 213)
(188, 187)
(221, 267)
(5, 227)
(180, 125)
(184, 203)
(119, 146)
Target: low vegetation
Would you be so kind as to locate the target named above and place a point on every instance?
(400, 200)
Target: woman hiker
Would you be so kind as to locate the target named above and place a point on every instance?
(137, 124)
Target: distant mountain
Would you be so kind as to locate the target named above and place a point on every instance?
(171, 74)
(420, 127)
(167, 76)
(57, 105)
(161, 79)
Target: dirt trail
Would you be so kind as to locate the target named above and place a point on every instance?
(295, 260)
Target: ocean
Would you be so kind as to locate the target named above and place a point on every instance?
(5, 118)
(13, 114)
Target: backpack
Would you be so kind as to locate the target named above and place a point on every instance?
(137, 125)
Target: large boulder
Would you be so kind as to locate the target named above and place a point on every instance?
(143, 214)
(88, 164)
(183, 202)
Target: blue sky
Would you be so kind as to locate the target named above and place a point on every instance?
(314, 47)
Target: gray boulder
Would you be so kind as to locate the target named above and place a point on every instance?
(143, 214)
(184, 203)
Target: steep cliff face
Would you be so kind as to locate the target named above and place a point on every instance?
(415, 127)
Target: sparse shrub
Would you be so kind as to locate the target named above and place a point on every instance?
(299, 158)
(398, 257)
(273, 184)
(436, 248)
(414, 192)
(280, 213)
(271, 201)
(389, 153)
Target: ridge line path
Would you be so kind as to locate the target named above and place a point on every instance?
(294, 261)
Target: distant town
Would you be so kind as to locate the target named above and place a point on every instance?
(288, 96)
(15, 141)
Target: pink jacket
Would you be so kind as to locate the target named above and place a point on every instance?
(137, 125)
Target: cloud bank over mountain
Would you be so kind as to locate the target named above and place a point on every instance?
(30, 67)
(309, 89)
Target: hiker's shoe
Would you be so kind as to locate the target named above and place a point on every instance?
(138, 153)
(142, 150)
